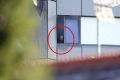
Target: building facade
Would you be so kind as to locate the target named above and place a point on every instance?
(92, 37)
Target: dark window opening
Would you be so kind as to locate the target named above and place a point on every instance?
(60, 29)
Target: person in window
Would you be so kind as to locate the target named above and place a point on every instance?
(60, 39)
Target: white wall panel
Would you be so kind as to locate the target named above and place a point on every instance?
(109, 33)
(88, 30)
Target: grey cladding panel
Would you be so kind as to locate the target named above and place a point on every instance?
(68, 7)
(88, 8)
(109, 49)
(116, 11)
(89, 51)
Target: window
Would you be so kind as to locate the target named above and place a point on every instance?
(64, 35)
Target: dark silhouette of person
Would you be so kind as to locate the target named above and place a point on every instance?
(60, 39)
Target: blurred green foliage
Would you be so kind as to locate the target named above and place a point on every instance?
(16, 46)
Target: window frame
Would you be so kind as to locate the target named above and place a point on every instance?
(79, 27)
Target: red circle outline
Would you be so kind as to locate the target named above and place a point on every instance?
(67, 51)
